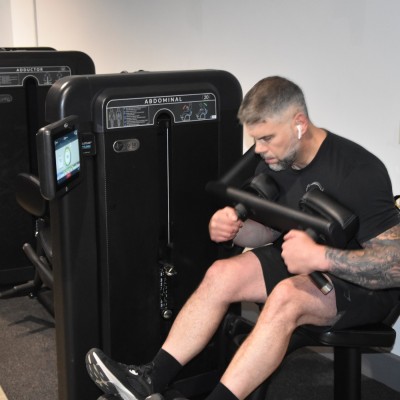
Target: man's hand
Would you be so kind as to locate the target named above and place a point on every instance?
(224, 225)
(301, 254)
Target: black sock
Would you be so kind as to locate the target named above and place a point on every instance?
(221, 392)
(166, 367)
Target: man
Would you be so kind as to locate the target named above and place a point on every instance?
(297, 155)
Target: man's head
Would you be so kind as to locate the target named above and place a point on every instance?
(274, 113)
(269, 99)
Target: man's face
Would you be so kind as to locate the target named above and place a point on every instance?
(276, 142)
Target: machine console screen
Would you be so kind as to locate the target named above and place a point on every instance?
(67, 156)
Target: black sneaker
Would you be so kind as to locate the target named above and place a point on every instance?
(129, 382)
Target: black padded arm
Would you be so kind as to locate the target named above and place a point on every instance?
(27, 191)
(345, 223)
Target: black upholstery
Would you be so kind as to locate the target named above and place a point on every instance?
(344, 224)
(374, 335)
(28, 196)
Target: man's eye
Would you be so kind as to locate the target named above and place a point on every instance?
(264, 140)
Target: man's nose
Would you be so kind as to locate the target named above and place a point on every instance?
(260, 147)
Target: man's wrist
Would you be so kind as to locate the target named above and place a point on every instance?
(325, 262)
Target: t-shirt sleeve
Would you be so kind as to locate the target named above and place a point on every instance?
(369, 194)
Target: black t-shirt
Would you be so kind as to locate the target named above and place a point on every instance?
(348, 173)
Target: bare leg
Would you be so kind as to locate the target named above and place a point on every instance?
(294, 302)
(236, 279)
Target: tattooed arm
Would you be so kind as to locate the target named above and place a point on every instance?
(376, 266)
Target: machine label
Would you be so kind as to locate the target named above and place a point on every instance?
(6, 98)
(45, 76)
(123, 146)
(141, 111)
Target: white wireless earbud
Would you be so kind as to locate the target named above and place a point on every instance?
(299, 133)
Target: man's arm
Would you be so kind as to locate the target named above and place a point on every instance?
(376, 266)
(225, 225)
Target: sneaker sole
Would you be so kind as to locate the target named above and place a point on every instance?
(105, 379)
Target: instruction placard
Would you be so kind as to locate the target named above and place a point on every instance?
(141, 111)
(45, 76)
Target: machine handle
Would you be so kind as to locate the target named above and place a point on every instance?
(317, 277)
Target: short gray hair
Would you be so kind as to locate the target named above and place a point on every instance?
(269, 98)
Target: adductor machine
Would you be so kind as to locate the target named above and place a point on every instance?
(124, 164)
(26, 74)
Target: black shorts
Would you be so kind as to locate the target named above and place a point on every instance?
(355, 305)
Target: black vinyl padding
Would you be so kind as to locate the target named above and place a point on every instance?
(27, 191)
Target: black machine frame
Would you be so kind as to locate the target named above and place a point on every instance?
(130, 241)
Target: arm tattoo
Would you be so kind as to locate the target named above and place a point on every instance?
(376, 266)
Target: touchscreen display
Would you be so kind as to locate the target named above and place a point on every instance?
(67, 157)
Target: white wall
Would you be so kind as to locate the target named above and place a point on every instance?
(5, 23)
(344, 54)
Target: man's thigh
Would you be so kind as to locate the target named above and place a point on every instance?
(243, 276)
(305, 301)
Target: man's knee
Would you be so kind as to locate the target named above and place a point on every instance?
(217, 273)
(223, 279)
(299, 302)
(284, 300)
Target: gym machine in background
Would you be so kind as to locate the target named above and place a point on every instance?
(124, 164)
(26, 75)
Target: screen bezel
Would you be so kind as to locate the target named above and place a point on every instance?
(46, 147)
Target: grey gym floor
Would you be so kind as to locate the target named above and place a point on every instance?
(28, 362)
